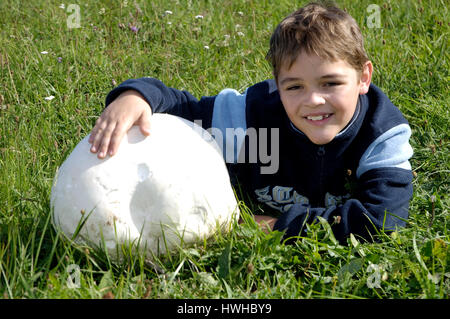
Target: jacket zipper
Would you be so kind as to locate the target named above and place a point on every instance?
(321, 154)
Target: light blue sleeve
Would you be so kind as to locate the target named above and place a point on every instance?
(391, 149)
(229, 123)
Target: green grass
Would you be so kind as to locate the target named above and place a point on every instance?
(410, 56)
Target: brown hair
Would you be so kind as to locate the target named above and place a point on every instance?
(320, 29)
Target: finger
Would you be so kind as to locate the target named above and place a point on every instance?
(145, 128)
(144, 123)
(104, 143)
(116, 138)
(95, 129)
(92, 136)
(97, 136)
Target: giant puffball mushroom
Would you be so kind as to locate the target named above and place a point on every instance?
(163, 191)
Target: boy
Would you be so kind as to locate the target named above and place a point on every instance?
(342, 146)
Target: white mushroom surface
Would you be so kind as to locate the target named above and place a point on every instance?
(159, 192)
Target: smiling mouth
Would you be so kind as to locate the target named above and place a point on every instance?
(318, 117)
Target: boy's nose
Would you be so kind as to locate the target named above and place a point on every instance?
(313, 99)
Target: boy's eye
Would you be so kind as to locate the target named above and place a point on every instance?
(293, 87)
(332, 83)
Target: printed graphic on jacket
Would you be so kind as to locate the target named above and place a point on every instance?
(282, 198)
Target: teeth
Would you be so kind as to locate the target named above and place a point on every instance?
(317, 118)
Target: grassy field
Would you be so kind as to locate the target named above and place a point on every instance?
(43, 54)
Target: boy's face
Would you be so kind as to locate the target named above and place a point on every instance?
(320, 96)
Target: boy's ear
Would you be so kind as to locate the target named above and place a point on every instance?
(366, 78)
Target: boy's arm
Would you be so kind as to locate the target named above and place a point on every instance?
(381, 201)
(384, 180)
(132, 103)
(225, 110)
(162, 99)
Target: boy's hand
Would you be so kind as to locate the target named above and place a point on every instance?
(265, 222)
(128, 109)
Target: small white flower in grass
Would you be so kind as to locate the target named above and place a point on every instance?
(240, 13)
(199, 16)
(44, 52)
(169, 23)
(102, 11)
(206, 47)
(49, 98)
(241, 34)
(62, 6)
(168, 12)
